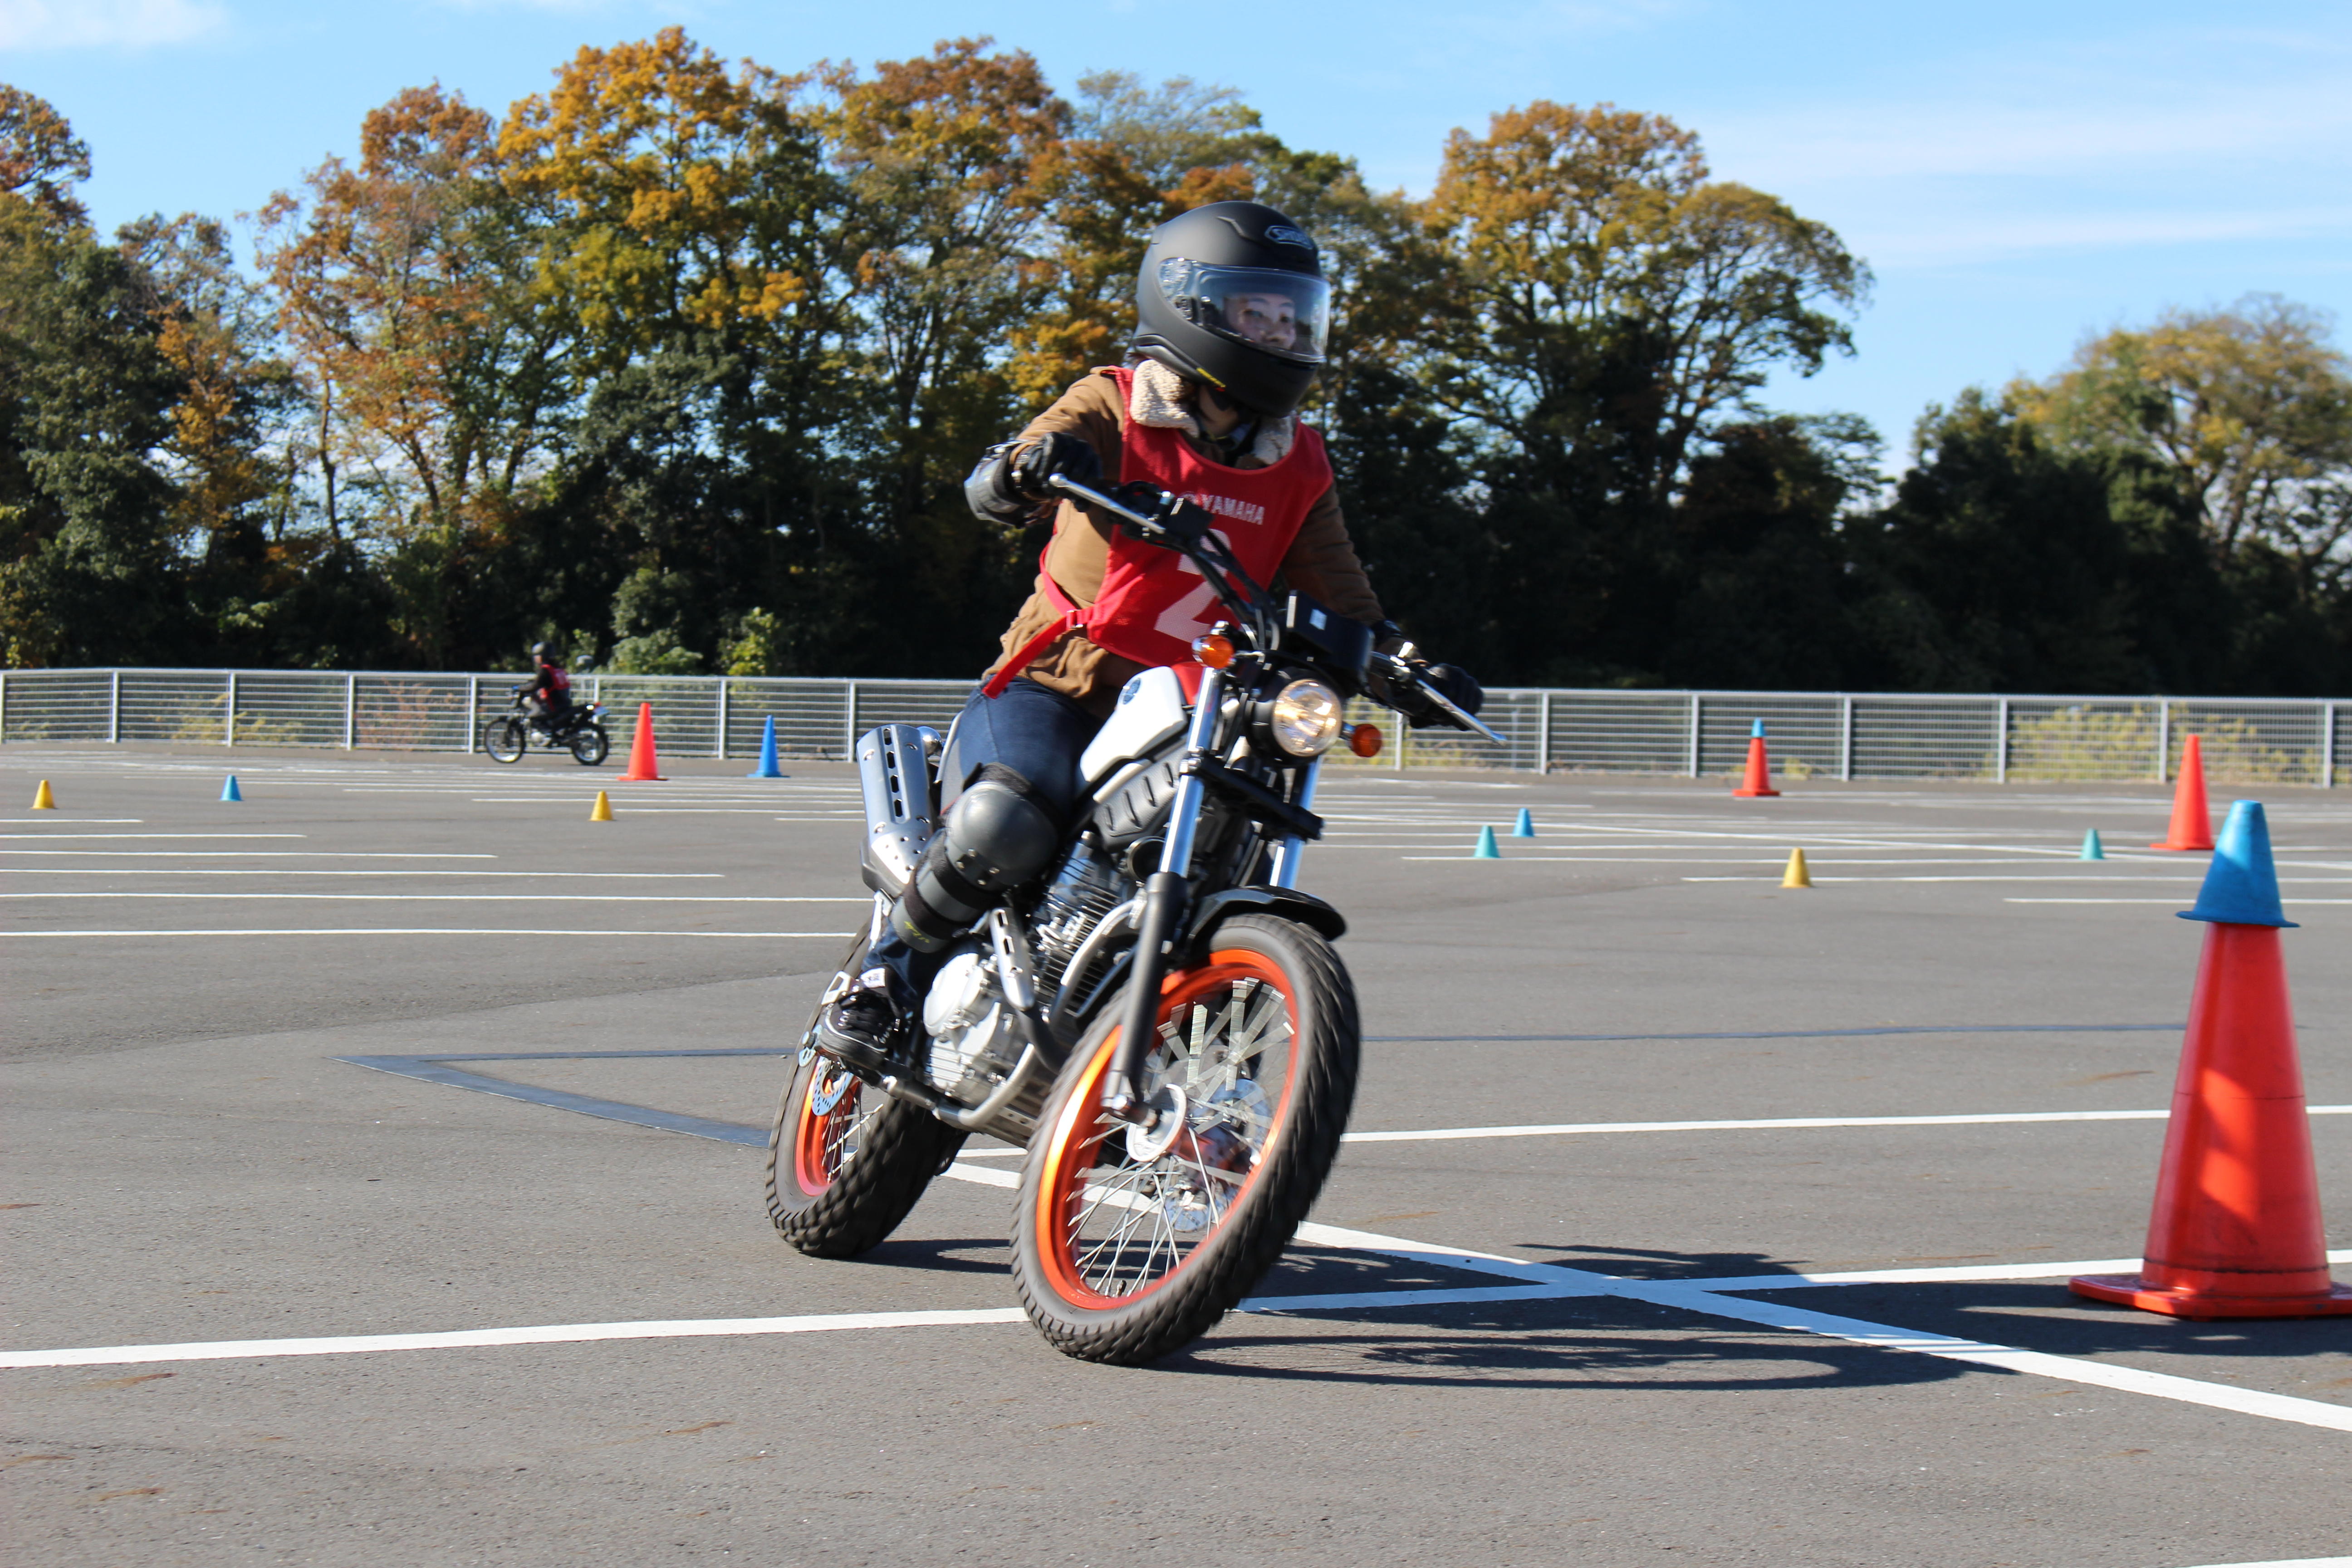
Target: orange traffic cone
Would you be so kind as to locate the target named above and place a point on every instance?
(644, 766)
(2192, 824)
(1758, 781)
(2235, 1232)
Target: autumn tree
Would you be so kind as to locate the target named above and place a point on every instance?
(1133, 158)
(2249, 407)
(402, 288)
(1591, 287)
(41, 159)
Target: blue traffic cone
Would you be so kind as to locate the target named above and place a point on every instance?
(2242, 884)
(229, 790)
(767, 768)
(2090, 850)
(1526, 826)
(1486, 850)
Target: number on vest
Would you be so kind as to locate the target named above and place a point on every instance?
(1188, 617)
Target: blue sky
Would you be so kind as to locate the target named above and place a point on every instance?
(2016, 174)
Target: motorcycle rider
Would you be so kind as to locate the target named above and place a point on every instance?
(548, 700)
(1232, 319)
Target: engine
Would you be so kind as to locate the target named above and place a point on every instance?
(974, 1040)
(1086, 886)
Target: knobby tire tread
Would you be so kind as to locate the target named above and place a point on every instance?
(1192, 1303)
(906, 1147)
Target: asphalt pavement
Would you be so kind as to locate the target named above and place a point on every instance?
(1625, 1102)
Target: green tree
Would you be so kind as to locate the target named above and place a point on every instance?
(2250, 408)
(1572, 243)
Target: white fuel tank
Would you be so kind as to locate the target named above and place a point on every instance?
(1150, 709)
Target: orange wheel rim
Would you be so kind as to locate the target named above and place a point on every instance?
(820, 1140)
(1113, 1233)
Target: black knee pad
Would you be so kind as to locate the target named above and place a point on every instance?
(999, 834)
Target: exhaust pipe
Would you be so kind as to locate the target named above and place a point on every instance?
(894, 772)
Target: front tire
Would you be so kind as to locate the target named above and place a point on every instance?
(504, 739)
(846, 1161)
(589, 745)
(1123, 1252)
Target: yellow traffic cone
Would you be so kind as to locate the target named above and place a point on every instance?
(604, 809)
(43, 800)
(1796, 876)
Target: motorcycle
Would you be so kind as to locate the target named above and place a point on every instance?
(579, 729)
(1163, 1024)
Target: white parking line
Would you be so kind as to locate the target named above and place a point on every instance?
(488, 898)
(2297, 901)
(436, 930)
(320, 871)
(259, 854)
(55, 837)
(1441, 1134)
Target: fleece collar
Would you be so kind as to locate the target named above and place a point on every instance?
(1160, 398)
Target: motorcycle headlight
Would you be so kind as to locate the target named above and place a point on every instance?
(1304, 717)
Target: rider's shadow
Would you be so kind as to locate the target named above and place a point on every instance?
(968, 1254)
(1573, 1342)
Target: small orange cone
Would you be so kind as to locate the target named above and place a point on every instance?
(2236, 1231)
(644, 766)
(602, 810)
(1758, 781)
(43, 800)
(2192, 824)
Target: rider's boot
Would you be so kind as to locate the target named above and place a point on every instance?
(866, 1025)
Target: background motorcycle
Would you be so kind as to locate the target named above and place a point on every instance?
(1163, 1023)
(579, 729)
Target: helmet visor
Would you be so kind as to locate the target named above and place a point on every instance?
(1287, 314)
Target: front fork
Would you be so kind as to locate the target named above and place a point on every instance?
(1166, 894)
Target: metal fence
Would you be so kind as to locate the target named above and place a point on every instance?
(2038, 740)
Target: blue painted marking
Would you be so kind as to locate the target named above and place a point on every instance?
(424, 1068)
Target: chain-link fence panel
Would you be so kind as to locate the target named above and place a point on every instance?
(1622, 731)
(2250, 743)
(412, 713)
(932, 702)
(289, 708)
(189, 706)
(2055, 740)
(1921, 737)
(685, 711)
(812, 716)
(57, 705)
(1804, 735)
(2246, 743)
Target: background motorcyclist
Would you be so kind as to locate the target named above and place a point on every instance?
(549, 699)
(1232, 322)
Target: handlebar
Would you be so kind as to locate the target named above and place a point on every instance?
(1153, 529)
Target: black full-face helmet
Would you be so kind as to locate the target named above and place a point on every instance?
(1233, 294)
(541, 652)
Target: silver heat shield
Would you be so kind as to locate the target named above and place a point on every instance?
(894, 774)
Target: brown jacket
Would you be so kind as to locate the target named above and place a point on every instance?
(1322, 560)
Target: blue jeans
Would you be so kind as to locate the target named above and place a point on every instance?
(1038, 734)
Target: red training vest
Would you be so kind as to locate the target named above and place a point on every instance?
(1154, 602)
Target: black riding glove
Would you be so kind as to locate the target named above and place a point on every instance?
(1010, 481)
(1059, 453)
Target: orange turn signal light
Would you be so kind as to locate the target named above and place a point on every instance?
(1212, 650)
(1364, 740)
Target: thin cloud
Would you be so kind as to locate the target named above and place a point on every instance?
(104, 24)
